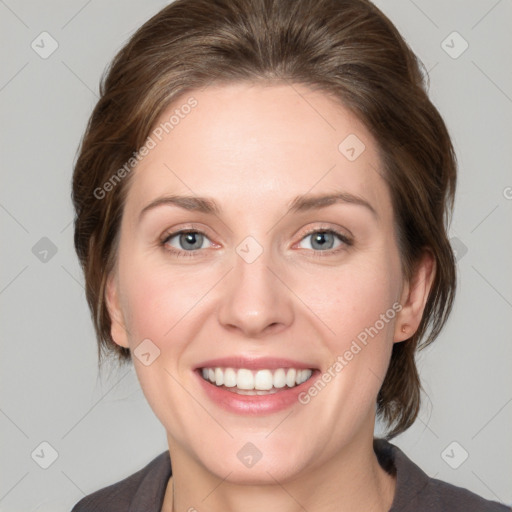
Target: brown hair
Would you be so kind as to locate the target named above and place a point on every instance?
(346, 48)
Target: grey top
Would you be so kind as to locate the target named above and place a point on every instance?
(415, 491)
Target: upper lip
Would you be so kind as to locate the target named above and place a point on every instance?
(254, 363)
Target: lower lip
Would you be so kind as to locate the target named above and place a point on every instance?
(254, 404)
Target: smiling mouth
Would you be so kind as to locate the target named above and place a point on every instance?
(255, 382)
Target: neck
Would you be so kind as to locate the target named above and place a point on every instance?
(352, 481)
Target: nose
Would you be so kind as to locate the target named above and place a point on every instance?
(256, 300)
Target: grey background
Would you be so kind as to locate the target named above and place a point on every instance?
(100, 425)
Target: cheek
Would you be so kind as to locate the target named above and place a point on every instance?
(158, 298)
(356, 303)
(157, 301)
(351, 299)
(359, 305)
(149, 309)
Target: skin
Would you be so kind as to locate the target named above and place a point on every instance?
(253, 148)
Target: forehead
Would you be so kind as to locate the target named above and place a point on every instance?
(252, 144)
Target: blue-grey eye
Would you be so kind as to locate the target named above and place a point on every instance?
(323, 240)
(187, 240)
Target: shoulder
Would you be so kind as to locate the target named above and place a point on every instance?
(145, 488)
(450, 497)
(415, 490)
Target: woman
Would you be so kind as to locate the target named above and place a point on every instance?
(293, 146)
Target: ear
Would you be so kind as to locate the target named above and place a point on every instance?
(414, 297)
(118, 329)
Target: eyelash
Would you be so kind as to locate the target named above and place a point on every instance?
(347, 241)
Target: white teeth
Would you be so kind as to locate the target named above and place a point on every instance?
(257, 381)
(302, 375)
(263, 380)
(290, 377)
(229, 378)
(244, 379)
(279, 378)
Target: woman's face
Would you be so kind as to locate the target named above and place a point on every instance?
(269, 283)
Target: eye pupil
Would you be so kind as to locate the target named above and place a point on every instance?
(320, 238)
(191, 238)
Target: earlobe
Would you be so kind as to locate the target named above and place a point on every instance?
(414, 297)
(118, 328)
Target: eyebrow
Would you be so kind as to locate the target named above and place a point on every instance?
(299, 204)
